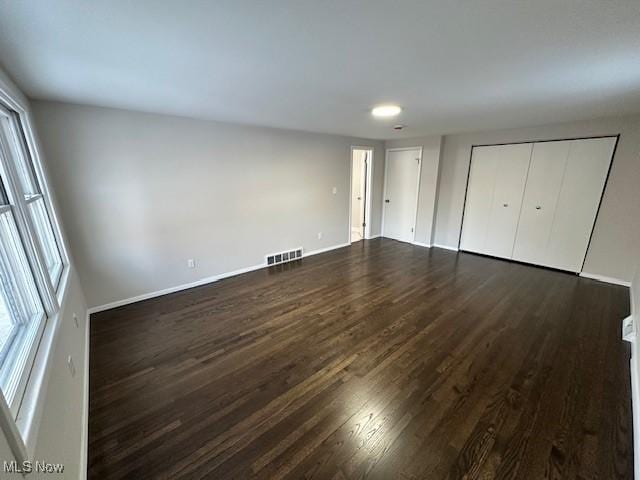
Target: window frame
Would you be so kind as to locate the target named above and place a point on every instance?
(36, 180)
(23, 221)
(21, 424)
(21, 127)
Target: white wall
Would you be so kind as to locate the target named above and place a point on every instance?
(60, 437)
(617, 229)
(62, 429)
(427, 196)
(142, 193)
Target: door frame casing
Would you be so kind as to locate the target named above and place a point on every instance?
(384, 194)
(368, 190)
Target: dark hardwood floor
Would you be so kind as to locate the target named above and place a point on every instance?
(381, 360)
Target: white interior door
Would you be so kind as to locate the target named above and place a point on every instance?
(401, 193)
(358, 189)
(546, 172)
(494, 197)
(582, 186)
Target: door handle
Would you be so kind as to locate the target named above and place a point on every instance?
(359, 198)
(538, 207)
(386, 201)
(505, 205)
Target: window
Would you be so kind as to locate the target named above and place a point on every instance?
(31, 262)
(21, 310)
(15, 139)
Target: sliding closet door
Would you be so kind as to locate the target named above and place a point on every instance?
(546, 171)
(584, 179)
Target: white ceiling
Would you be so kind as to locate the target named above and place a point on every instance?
(453, 65)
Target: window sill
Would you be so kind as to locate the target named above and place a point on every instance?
(32, 406)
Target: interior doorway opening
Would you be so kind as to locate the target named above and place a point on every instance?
(360, 201)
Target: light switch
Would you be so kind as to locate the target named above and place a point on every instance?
(335, 190)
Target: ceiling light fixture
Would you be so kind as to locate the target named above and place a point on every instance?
(384, 111)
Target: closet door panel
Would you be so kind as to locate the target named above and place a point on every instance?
(511, 175)
(544, 180)
(584, 179)
(482, 177)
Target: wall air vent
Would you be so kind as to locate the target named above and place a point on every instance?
(284, 257)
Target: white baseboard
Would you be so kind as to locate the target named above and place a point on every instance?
(446, 247)
(323, 250)
(177, 288)
(602, 278)
(198, 283)
(84, 442)
(420, 244)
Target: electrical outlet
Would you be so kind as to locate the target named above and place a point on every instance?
(191, 263)
(75, 320)
(71, 365)
(628, 329)
(319, 235)
(335, 190)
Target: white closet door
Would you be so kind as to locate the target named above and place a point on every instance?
(482, 180)
(510, 178)
(582, 186)
(546, 171)
(401, 194)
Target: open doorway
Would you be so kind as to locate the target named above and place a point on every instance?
(360, 204)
